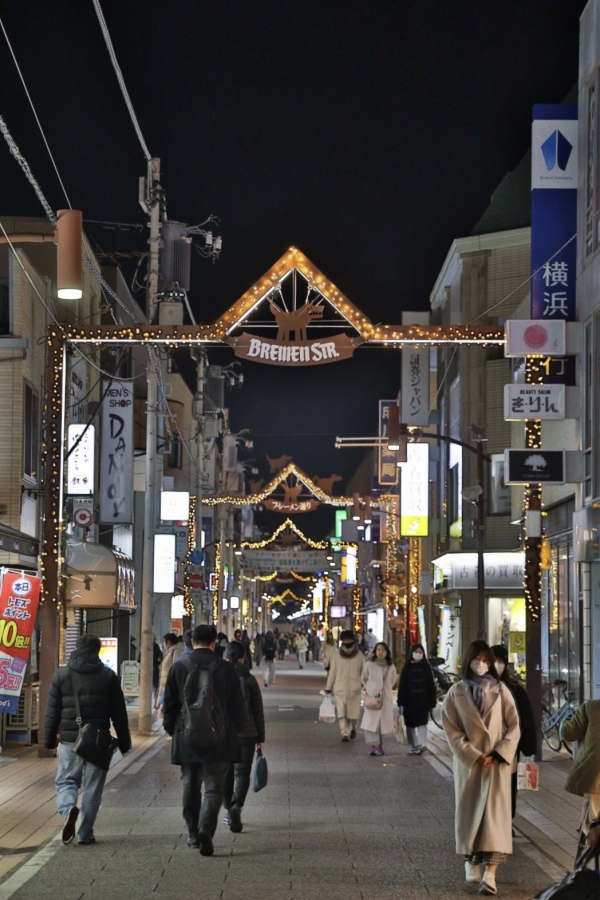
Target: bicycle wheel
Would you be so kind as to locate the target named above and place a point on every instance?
(552, 737)
(436, 715)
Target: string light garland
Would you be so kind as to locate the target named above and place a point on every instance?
(288, 524)
(260, 577)
(265, 493)
(188, 603)
(301, 577)
(281, 598)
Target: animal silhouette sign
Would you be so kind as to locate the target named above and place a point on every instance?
(291, 347)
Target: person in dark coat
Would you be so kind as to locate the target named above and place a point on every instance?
(251, 736)
(209, 766)
(101, 701)
(528, 743)
(416, 696)
(221, 644)
(157, 658)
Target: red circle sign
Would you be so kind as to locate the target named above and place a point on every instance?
(195, 581)
(83, 516)
(535, 336)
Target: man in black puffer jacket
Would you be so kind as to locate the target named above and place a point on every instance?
(101, 701)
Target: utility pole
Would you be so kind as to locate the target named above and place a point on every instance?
(151, 202)
(481, 631)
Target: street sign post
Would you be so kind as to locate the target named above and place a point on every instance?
(534, 401)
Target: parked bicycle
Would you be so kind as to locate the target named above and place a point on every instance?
(554, 719)
(443, 682)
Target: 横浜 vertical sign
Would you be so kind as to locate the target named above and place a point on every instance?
(553, 211)
(387, 470)
(116, 467)
(19, 599)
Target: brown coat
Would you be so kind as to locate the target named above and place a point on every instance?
(344, 680)
(483, 820)
(584, 777)
(169, 658)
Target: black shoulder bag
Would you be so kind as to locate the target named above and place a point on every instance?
(94, 744)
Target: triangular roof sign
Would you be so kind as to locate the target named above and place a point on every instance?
(293, 259)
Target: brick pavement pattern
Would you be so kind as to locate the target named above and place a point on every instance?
(333, 824)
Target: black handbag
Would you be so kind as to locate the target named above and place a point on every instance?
(581, 884)
(94, 744)
(260, 775)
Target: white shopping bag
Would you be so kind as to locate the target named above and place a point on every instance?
(327, 710)
(528, 776)
(400, 730)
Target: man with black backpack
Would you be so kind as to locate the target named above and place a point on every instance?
(203, 710)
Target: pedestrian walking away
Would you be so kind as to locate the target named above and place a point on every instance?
(344, 681)
(281, 647)
(301, 649)
(203, 711)
(328, 650)
(584, 777)
(269, 651)
(101, 702)
(174, 648)
(221, 645)
(250, 737)
(378, 679)
(482, 726)
(528, 740)
(416, 697)
(316, 647)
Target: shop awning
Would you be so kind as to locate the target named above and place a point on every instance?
(13, 541)
(458, 571)
(98, 577)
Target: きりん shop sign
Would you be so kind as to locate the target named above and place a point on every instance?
(19, 599)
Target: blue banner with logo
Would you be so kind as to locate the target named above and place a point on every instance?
(553, 211)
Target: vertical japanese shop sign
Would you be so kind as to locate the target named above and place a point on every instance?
(553, 211)
(19, 598)
(415, 386)
(116, 464)
(414, 492)
(81, 441)
(388, 471)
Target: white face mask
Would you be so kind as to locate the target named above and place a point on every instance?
(479, 667)
(500, 667)
(418, 656)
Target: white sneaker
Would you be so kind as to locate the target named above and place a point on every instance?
(488, 884)
(472, 873)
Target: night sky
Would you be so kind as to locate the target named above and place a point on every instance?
(368, 134)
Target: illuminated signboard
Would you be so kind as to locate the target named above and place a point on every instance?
(414, 491)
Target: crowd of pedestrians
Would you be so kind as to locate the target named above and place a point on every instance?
(212, 708)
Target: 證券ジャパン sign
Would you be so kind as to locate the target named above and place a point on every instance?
(19, 599)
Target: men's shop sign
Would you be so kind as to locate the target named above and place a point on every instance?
(116, 464)
(19, 599)
(294, 353)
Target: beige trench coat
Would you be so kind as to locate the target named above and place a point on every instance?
(584, 777)
(376, 680)
(344, 680)
(165, 666)
(483, 818)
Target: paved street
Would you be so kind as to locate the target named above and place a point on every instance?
(332, 823)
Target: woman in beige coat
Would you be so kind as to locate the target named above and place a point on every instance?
(344, 680)
(379, 677)
(482, 726)
(173, 650)
(584, 777)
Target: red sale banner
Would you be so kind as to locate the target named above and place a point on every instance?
(19, 599)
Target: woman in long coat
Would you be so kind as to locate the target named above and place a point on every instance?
(482, 726)
(416, 696)
(344, 680)
(378, 680)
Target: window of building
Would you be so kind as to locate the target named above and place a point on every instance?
(4, 307)
(175, 453)
(588, 400)
(31, 434)
(561, 653)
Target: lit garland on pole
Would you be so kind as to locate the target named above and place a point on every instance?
(188, 603)
(215, 610)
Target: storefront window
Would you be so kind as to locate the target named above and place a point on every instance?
(561, 656)
(506, 625)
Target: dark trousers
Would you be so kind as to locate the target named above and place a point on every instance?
(237, 780)
(202, 813)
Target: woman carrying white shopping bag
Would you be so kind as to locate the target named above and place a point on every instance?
(378, 679)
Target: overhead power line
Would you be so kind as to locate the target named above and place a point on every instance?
(120, 79)
(39, 124)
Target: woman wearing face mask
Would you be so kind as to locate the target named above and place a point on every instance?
(344, 680)
(416, 696)
(528, 743)
(482, 726)
(378, 680)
